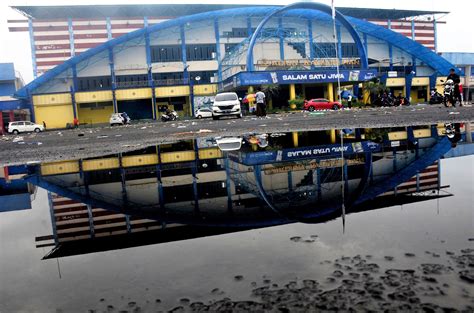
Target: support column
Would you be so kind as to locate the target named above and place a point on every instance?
(112, 79)
(330, 90)
(109, 28)
(218, 50)
(227, 183)
(151, 82)
(53, 218)
(282, 39)
(339, 44)
(33, 47)
(292, 92)
(332, 135)
(295, 139)
(390, 48)
(311, 42)
(318, 182)
(249, 27)
(183, 53)
(435, 34)
(2, 126)
(71, 37)
(11, 115)
(366, 45)
(467, 127)
(290, 181)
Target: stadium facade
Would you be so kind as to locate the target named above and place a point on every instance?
(92, 61)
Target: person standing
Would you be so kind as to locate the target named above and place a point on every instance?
(349, 101)
(260, 99)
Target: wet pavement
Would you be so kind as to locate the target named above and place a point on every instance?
(91, 142)
(408, 247)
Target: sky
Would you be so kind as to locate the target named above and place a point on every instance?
(454, 36)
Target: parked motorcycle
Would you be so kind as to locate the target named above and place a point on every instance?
(169, 116)
(436, 97)
(450, 98)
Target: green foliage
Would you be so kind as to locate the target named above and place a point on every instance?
(298, 101)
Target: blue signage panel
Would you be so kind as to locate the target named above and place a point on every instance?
(298, 77)
(294, 154)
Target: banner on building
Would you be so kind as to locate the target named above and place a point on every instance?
(314, 152)
(299, 77)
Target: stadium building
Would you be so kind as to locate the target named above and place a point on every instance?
(95, 60)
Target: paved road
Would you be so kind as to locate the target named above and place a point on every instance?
(92, 142)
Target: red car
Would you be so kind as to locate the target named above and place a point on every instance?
(321, 104)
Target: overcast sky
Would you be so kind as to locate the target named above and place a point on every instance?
(454, 36)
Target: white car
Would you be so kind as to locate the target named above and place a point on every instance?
(23, 127)
(203, 112)
(119, 119)
(226, 104)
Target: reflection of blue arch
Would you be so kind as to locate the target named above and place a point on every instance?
(312, 6)
(417, 50)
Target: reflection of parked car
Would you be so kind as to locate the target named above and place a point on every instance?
(229, 143)
(203, 112)
(226, 104)
(22, 127)
(119, 119)
(321, 104)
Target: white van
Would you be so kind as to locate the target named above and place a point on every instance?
(226, 104)
(23, 127)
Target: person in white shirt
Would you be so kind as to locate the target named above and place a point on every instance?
(261, 107)
(349, 101)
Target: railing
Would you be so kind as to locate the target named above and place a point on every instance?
(156, 82)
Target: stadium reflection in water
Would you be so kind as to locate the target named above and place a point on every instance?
(213, 186)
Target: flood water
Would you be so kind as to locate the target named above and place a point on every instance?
(259, 228)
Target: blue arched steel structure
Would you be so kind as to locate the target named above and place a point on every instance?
(417, 50)
(311, 6)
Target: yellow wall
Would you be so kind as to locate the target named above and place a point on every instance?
(173, 91)
(52, 99)
(395, 82)
(133, 94)
(420, 81)
(96, 116)
(207, 89)
(55, 116)
(95, 96)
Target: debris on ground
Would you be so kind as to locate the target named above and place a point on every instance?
(317, 113)
(17, 139)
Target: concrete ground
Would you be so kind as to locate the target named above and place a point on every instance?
(56, 145)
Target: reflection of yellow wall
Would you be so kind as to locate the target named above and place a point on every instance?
(100, 164)
(55, 116)
(139, 160)
(55, 168)
(96, 116)
(170, 157)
